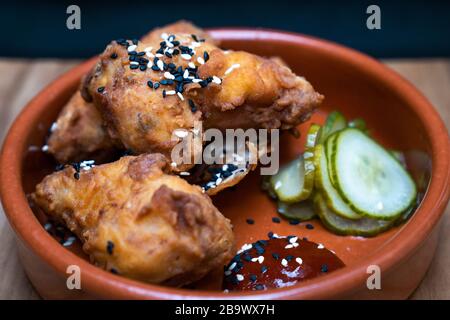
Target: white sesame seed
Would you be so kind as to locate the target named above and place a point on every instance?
(44, 148)
(53, 127)
(168, 75)
(159, 55)
(320, 246)
(216, 80)
(148, 49)
(186, 73)
(254, 259)
(201, 60)
(239, 277)
(173, 164)
(195, 44)
(160, 65)
(299, 260)
(149, 54)
(289, 246)
(225, 167)
(196, 80)
(227, 273)
(169, 51)
(180, 96)
(295, 244)
(191, 65)
(134, 62)
(261, 259)
(232, 266)
(293, 239)
(186, 56)
(284, 263)
(164, 36)
(169, 44)
(185, 173)
(170, 92)
(132, 48)
(149, 64)
(219, 181)
(234, 66)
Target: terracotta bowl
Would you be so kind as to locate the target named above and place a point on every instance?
(396, 113)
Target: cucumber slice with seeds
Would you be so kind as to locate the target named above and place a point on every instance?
(365, 227)
(302, 211)
(289, 183)
(329, 145)
(369, 178)
(330, 194)
(308, 156)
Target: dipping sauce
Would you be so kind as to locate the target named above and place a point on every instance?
(278, 262)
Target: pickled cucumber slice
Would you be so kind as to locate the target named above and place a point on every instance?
(308, 156)
(366, 227)
(289, 183)
(330, 194)
(369, 178)
(302, 211)
(335, 122)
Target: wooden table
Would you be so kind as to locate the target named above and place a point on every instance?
(21, 79)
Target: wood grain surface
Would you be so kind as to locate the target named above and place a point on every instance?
(22, 79)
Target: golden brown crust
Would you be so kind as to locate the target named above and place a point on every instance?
(78, 133)
(135, 219)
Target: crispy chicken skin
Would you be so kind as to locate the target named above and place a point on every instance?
(135, 219)
(255, 93)
(78, 133)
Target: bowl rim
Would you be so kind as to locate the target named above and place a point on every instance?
(346, 280)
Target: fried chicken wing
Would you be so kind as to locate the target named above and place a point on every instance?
(135, 219)
(78, 133)
(255, 92)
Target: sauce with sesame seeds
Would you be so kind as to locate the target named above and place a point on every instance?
(278, 262)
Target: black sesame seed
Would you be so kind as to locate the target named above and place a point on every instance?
(156, 85)
(114, 271)
(276, 256)
(289, 258)
(168, 55)
(294, 222)
(247, 257)
(205, 56)
(171, 66)
(203, 83)
(47, 226)
(132, 53)
(250, 221)
(143, 67)
(259, 287)
(114, 56)
(324, 268)
(276, 220)
(309, 226)
(150, 84)
(135, 41)
(192, 105)
(100, 89)
(175, 52)
(263, 269)
(134, 66)
(155, 67)
(176, 43)
(253, 278)
(270, 235)
(109, 247)
(194, 37)
(164, 93)
(76, 175)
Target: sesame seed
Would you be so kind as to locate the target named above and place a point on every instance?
(250, 221)
(259, 287)
(324, 268)
(284, 263)
(227, 272)
(186, 74)
(239, 277)
(53, 127)
(200, 60)
(170, 92)
(160, 65)
(114, 56)
(320, 246)
(197, 80)
(191, 65)
(44, 148)
(132, 48)
(205, 56)
(253, 278)
(216, 80)
(234, 66)
(180, 96)
(289, 246)
(294, 222)
(164, 36)
(293, 239)
(309, 226)
(159, 55)
(109, 247)
(181, 133)
(192, 105)
(168, 75)
(276, 256)
(185, 173)
(276, 220)
(299, 260)
(186, 56)
(263, 269)
(232, 266)
(156, 85)
(134, 63)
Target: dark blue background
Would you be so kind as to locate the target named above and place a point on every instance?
(409, 28)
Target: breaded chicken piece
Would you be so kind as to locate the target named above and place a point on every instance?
(255, 93)
(78, 133)
(135, 219)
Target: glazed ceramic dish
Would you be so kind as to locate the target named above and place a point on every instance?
(358, 86)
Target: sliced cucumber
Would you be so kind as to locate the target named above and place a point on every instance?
(308, 156)
(368, 177)
(289, 183)
(330, 194)
(335, 122)
(365, 227)
(302, 211)
(329, 150)
(267, 187)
